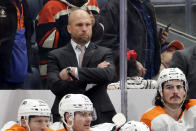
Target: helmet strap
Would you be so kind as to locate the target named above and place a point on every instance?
(72, 119)
(69, 126)
(27, 124)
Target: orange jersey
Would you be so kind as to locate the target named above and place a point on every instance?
(13, 126)
(157, 118)
(20, 16)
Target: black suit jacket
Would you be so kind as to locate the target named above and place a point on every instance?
(186, 61)
(88, 73)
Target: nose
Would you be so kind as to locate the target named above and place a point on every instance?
(175, 89)
(44, 127)
(83, 28)
(89, 118)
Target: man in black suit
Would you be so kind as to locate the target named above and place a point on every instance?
(67, 75)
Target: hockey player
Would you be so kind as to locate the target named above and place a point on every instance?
(173, 111)
(33, 115)
(76, 112)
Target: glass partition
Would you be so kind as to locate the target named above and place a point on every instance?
(180, 13)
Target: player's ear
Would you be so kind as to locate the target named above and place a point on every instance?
(23, 122)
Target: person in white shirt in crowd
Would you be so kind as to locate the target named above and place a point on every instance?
(173, 110)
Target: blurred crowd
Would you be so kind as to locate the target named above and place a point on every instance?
(72, 46)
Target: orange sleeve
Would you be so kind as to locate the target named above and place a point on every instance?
(49, 11)
(152, 114)
(146, 121)
(16, 128)
(191, 103)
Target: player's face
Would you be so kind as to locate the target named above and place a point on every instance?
(174, 93)
(39, 123)
(82, 121)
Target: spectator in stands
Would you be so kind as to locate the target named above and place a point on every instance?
(82, 67)
(142, 33)
(34, 7)
(15, 49)
(167, 51)
(173, 110)
(33, 80)
(51, 27)
(33, 115)
(134, 74)
(186, 61)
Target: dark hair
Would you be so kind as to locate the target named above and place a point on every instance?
(33, 116)
(64, 120)
(132, 69)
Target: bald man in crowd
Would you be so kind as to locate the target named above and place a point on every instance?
(82, 67)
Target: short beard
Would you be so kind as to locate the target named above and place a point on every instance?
(81, 41)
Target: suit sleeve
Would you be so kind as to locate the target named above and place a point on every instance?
(99, 75)
(58, 86)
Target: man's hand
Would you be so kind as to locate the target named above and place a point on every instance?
(163, 35)
(103, 64)
(142, 70)
(64, 76)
